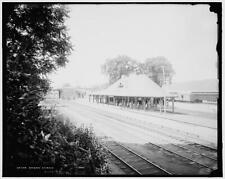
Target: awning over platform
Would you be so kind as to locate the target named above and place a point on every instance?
(134, 86)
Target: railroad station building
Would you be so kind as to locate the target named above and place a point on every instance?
(136, 92)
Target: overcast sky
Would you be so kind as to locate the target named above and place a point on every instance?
(186, 35)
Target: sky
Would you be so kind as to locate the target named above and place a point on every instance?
(186, 35)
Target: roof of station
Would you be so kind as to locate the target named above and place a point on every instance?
(134, 86)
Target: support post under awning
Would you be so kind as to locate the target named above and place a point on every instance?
(173, 104)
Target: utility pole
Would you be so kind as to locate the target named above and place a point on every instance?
(164, 80)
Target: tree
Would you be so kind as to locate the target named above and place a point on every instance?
(35, 43)
(153, 67)
(115, 68)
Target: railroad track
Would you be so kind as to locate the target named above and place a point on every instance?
(206, 165)
(198, 154)
(175, 134)
(162, 117)
(132, 163)
(199, 149)
(194, 157)
(182, 122)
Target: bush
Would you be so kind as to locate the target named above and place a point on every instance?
(58, 148)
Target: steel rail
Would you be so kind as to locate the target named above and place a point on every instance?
(195, 152)
(146, 160)
(157, 166)
(138, 112)
(175, 152)
(163, 133)
(181, 156)
(189, 123)
(132, 168)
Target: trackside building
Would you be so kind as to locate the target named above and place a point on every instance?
(134, 91)
(195, 91)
